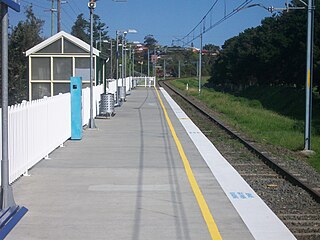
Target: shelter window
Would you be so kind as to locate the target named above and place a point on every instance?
(39, 90)
(54, 47)
(61, 88)
(82, 66)
(69, 47)
(40, 68)
(62, 68)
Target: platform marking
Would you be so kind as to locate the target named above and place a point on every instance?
(259, 218)
(212, 227)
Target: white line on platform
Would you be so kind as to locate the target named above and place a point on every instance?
(258, 217)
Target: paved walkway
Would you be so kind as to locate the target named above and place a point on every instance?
(124, 180)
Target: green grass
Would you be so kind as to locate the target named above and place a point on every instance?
(250, 116)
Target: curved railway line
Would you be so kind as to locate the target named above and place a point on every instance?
(290, 190)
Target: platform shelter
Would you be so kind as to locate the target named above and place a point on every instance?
(52, 62)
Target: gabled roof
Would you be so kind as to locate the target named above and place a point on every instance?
(57, 36)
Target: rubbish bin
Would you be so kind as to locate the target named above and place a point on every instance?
(122, 93)
(107, 104)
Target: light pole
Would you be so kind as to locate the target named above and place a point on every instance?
(148, 62)
(10, 213)
(117, 68)
(111, 62)
(133, 62)
(7, 199)
(123, 61)
(92, 6)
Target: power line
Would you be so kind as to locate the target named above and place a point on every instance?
(75, 3)
(72, 9)
(185, 40)
(69, 16)
(214, 4)
(63, 23)
(33, 4)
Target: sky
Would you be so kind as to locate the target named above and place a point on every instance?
(164, 19)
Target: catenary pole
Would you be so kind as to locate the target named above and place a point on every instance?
(200, 63)
(309, 75)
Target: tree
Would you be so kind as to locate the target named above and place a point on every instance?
(80, 29)
(273, 53)
(211, 47)
(99, 29)
(25, 35)
(150, 41)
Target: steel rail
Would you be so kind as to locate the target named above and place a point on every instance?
(263, 156)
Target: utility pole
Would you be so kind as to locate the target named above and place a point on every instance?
(52, 17)
(59, 15)
(179, 70)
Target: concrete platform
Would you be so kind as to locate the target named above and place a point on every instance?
(125, 180)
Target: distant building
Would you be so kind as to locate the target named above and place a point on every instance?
(53, 61)
(205, 52)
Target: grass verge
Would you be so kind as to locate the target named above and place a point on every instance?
(249, 116)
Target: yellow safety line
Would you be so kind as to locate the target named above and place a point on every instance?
(212, 227)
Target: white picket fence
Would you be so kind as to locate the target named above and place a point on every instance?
(38, 127)
(129, 81)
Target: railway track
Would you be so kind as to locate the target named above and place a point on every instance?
(286, 190)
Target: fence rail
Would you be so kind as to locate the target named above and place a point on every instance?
(38, 127)
(130, 81)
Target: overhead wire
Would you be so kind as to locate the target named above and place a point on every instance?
(75, 3)
(213, 5)
(63, 23)
(34, 4)
(204, 29)
(68, 15)
(72, 9)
